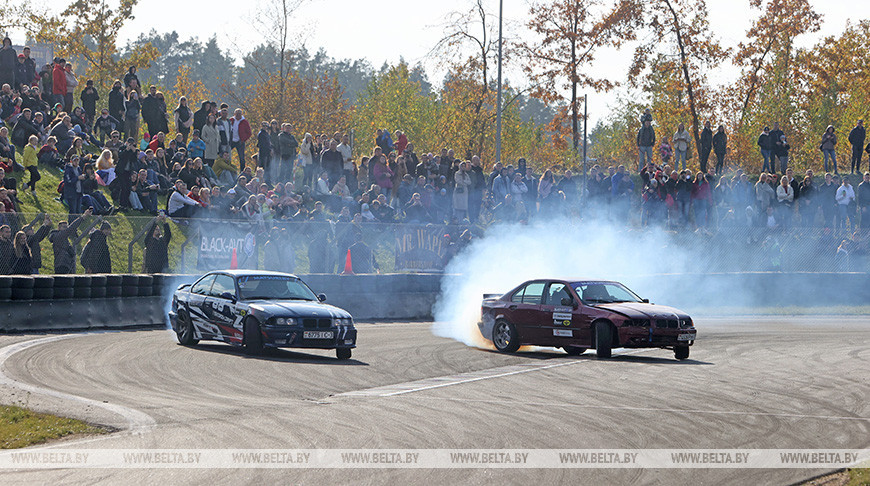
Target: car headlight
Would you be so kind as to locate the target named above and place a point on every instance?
(344, 321)
(285, 321)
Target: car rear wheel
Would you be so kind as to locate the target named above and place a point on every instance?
(253, 338)
(505, 337)
(185, 332)
(603, 339)
(574, 350)
(681, 352)
(343, 353)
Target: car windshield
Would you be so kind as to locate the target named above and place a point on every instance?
(277, 287)
(604, 293)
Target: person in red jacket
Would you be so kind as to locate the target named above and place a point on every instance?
(58, 77)
(241, 133)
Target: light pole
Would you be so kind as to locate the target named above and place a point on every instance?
(498, 92)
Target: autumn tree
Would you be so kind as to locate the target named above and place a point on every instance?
(570, 32)
(88, 30)
(680, 28)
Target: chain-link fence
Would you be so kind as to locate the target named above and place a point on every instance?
(123, 243)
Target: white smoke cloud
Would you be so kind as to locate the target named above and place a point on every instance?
(511, 254)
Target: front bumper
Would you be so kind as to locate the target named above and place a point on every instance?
(653, 337)
(295, 337)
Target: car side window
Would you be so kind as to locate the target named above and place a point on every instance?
(203, 286)
(223, 283)
(531, 293)
(556, 294)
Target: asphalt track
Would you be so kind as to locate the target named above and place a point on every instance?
(750, 383)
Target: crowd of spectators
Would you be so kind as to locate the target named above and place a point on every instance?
(204, 169)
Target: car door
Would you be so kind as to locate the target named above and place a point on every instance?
(524, 311)
(221, 311)
(199, 291)
(563, 322)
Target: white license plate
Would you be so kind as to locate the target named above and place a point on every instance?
(317, 334)
(563, 332)
(686, 337)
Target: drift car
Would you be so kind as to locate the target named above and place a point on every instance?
(259, 310)
(577, 315)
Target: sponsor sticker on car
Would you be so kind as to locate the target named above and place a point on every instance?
(563, 332)
(561, 316)
(317, 335)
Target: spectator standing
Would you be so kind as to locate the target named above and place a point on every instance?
(131, 80)
(212, 140)
(89, 97)
(241, 133)
(264, 153)
(132, 109)
(30, 162)
(785, 198)
(828, 200)
(8, 59)
(72, 185)
(777, 151)
(95, 255)
(845, 197)
(64, 254)
(347, 160)
(702, 199)
(765, 145)
(863, 198)
(157, 246)
(706, 145)
(7, 250)
(829, 148)
(201, 115)
(287, 146)
(362, 257)
(501, 186)
(681, 146)
(152, 114)
(34, 238)
(665, 151)
(478, 186)
(462, 187)
(856, 139)
(71, 84)
(58, 86)
(720, 148)
(646, 138)
(808, 204)
(183, 118)
(22, 263)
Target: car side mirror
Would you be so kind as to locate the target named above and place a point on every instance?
(645, 301)
(228, 296)
(321, 297)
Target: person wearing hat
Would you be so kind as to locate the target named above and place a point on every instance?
(89, 97)
(131, 77)
(196, 147)
(21, 73)
(95, 255)
(8, 60)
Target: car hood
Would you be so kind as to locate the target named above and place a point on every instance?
(638, 310)
(296, 308)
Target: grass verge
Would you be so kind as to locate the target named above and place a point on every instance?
(20, 427)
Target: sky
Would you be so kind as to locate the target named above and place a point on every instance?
(387, 30)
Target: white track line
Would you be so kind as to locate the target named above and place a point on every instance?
(647, 409)
(136, 421)
(469, 377)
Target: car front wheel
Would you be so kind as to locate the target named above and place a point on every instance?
(603, 339)
(681, 352)
(505, 337)
(253, 338)
(185, 332)
(343, 353)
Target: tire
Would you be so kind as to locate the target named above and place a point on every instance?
(158, 279)
(505, 337)
(113, 291)
(63, 293)
(114, 280)
(146, 291)
(681, 352)
(185, 332)
(82, 281)
(98, 292)
(145, 281)
(22, 294)
(99, 280)
(43, 293)
(22, 283)
(64, 281)
(253, 338)
(574, 350)
(129, 280)
(130, 291)
(81, 292)
(603, 339)
(5, 282)
(43, 282)
(5, 293)
(343, 353)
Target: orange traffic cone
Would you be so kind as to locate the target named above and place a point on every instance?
(234, 261)
(348, 267)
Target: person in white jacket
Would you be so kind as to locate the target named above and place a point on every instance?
(180, 205)
(785, 198)
(681, 146)
(845, 196)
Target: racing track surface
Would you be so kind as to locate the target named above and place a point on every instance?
(750, 383)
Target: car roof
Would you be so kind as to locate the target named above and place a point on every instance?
(251, 273)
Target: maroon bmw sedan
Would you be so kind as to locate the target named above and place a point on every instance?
(576, 315)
